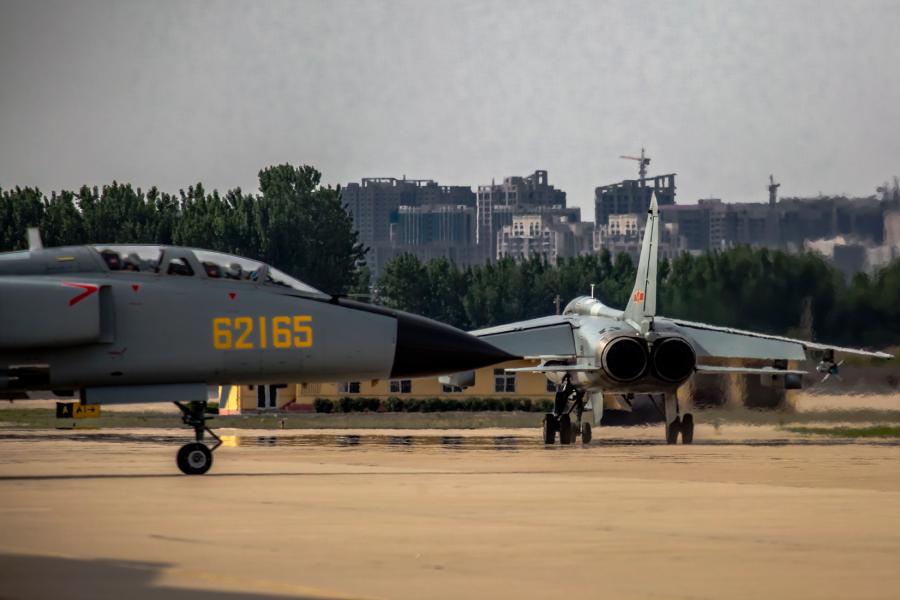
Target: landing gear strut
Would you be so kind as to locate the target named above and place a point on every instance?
(676, 423)
(196, 458)
(568, 400)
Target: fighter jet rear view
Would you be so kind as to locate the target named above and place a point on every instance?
(592, 349)
(130, 324)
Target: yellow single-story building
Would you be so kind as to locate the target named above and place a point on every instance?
(490, 382)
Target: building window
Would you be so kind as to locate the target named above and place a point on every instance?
(401, 386)
(348, 387)
(504, 382)
(451, 389)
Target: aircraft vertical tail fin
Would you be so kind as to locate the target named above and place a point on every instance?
(642, 303)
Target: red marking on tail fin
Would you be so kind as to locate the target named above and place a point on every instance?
(135, 286)
(88, 290)
(231, 295)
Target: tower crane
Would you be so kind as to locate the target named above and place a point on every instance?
(773, 189)
(643, 161)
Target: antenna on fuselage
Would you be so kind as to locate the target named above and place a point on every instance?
(34, 239)
(592, 290)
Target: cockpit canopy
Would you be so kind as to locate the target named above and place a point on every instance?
(172, 260)
(591, 307)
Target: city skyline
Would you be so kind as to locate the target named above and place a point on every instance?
(723, 94)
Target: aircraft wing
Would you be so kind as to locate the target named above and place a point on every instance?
(554, 369)
(726, 342)
(711, 370)
(543, 337)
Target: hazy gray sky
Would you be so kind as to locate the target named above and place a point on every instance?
(723, 93)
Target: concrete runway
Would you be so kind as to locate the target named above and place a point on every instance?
(747, 512)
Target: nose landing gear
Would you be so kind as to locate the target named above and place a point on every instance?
(196, 458)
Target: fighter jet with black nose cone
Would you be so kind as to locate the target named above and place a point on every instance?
(120, 324)
(592, 349)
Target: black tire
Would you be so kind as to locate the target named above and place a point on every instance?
(550, 426)
(194, 459)
(565, 429)
(586, 434)
(687, 429)
(672, 430)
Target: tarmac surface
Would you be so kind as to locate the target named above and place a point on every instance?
(746, 512)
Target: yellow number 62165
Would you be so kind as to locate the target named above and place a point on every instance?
(238, 333)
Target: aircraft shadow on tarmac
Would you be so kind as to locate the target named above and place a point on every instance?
(32, 576)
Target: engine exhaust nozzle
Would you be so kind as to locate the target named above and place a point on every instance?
(673, 359)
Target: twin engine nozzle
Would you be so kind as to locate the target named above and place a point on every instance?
(626, 359)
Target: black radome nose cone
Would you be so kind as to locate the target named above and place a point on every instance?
(426, 347)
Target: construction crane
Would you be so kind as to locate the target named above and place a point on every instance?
(643, 161)
(773, 189)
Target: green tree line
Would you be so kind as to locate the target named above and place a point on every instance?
(757, 289)
(294, 223)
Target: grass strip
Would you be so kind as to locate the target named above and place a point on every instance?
(874, 431)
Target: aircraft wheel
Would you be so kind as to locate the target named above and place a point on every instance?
(565, 429)
(672, 430)
(586, 433)
(687, 429)
(550, 426)
(194, 459)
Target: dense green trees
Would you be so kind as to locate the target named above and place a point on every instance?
(505, 291)
(756, 289)
(295, 223)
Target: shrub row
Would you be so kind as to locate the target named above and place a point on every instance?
(349, 404)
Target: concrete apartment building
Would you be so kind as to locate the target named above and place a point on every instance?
(551, 236)
(394, 216)
(624, 234)
(496, 204)
(435, 229)
(632, 196)
(851, 232)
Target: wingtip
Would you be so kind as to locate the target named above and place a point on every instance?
(654, 207)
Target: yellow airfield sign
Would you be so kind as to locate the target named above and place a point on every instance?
(77, 410)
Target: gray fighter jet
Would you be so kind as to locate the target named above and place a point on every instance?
(592, 349)
(128, 324)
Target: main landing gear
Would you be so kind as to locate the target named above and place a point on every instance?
(568, 400)
(677, 424)
(196, 458)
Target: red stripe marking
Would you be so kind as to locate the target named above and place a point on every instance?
(88, 290)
